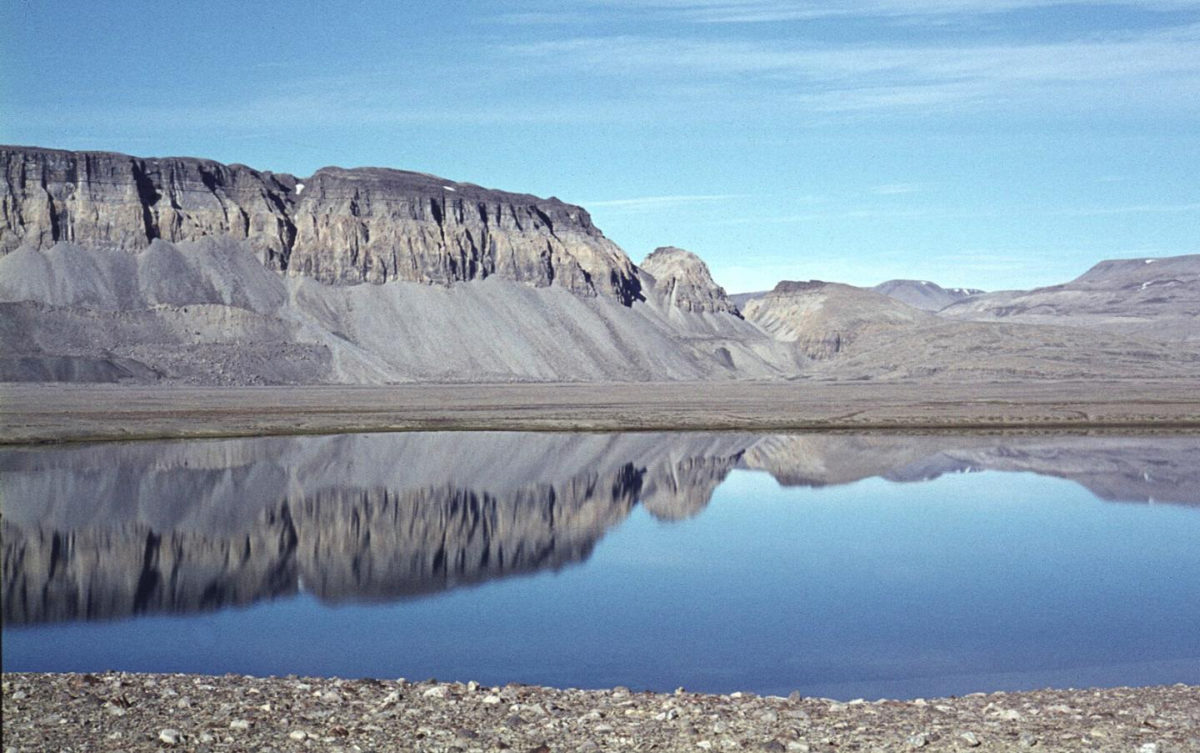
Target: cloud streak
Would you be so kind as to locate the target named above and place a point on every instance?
(1160, 66)
(645, 203)
(775, 11)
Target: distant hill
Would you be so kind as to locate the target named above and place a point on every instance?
(924, 294)
(1149, 297)
(824, 319)
(855, 333)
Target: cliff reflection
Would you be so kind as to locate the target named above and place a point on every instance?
(106, 531)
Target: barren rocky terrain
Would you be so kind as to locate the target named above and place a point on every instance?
(128, 712)
(116, 268)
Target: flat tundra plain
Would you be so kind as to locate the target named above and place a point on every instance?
(31, 413)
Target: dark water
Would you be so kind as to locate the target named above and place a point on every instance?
(840, 566)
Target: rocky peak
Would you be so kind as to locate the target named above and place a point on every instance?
(338, 226)
(683, 279)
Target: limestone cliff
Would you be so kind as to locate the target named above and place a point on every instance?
(114, 200)
(339, 226)
(683, 280)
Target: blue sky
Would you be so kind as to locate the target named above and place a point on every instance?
(992, 144)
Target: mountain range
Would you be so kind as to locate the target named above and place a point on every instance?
(121, 268)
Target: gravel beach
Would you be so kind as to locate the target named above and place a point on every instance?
(133, 712)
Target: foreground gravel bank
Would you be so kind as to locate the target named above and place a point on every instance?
(126, 712)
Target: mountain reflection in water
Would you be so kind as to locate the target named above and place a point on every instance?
(110, 530)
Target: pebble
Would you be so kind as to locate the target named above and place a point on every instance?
(64, 711)
(169, 736)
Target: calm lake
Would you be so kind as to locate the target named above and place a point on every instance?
(838, 565)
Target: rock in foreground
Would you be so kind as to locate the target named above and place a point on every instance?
(128, 712)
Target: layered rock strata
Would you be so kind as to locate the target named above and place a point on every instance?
(683, 280)
(338, 226)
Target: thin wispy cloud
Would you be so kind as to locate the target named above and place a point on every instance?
(775, 11)
(1129, 209)
(642, 203)
(1161, 67)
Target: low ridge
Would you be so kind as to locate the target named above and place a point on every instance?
(924, 294)
(1148, 297)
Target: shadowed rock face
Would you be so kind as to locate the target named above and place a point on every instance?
(339, 226)
(105, 531)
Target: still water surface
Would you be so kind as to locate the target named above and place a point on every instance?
(840, 566)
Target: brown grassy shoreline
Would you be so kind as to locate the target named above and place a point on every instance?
(33, 413)
(132, 712)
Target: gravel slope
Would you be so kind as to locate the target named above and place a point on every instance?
(129, 712)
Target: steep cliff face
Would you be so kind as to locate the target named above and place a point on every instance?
(339, 226)
(114, 200)
(377, 225)
(684, 282)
